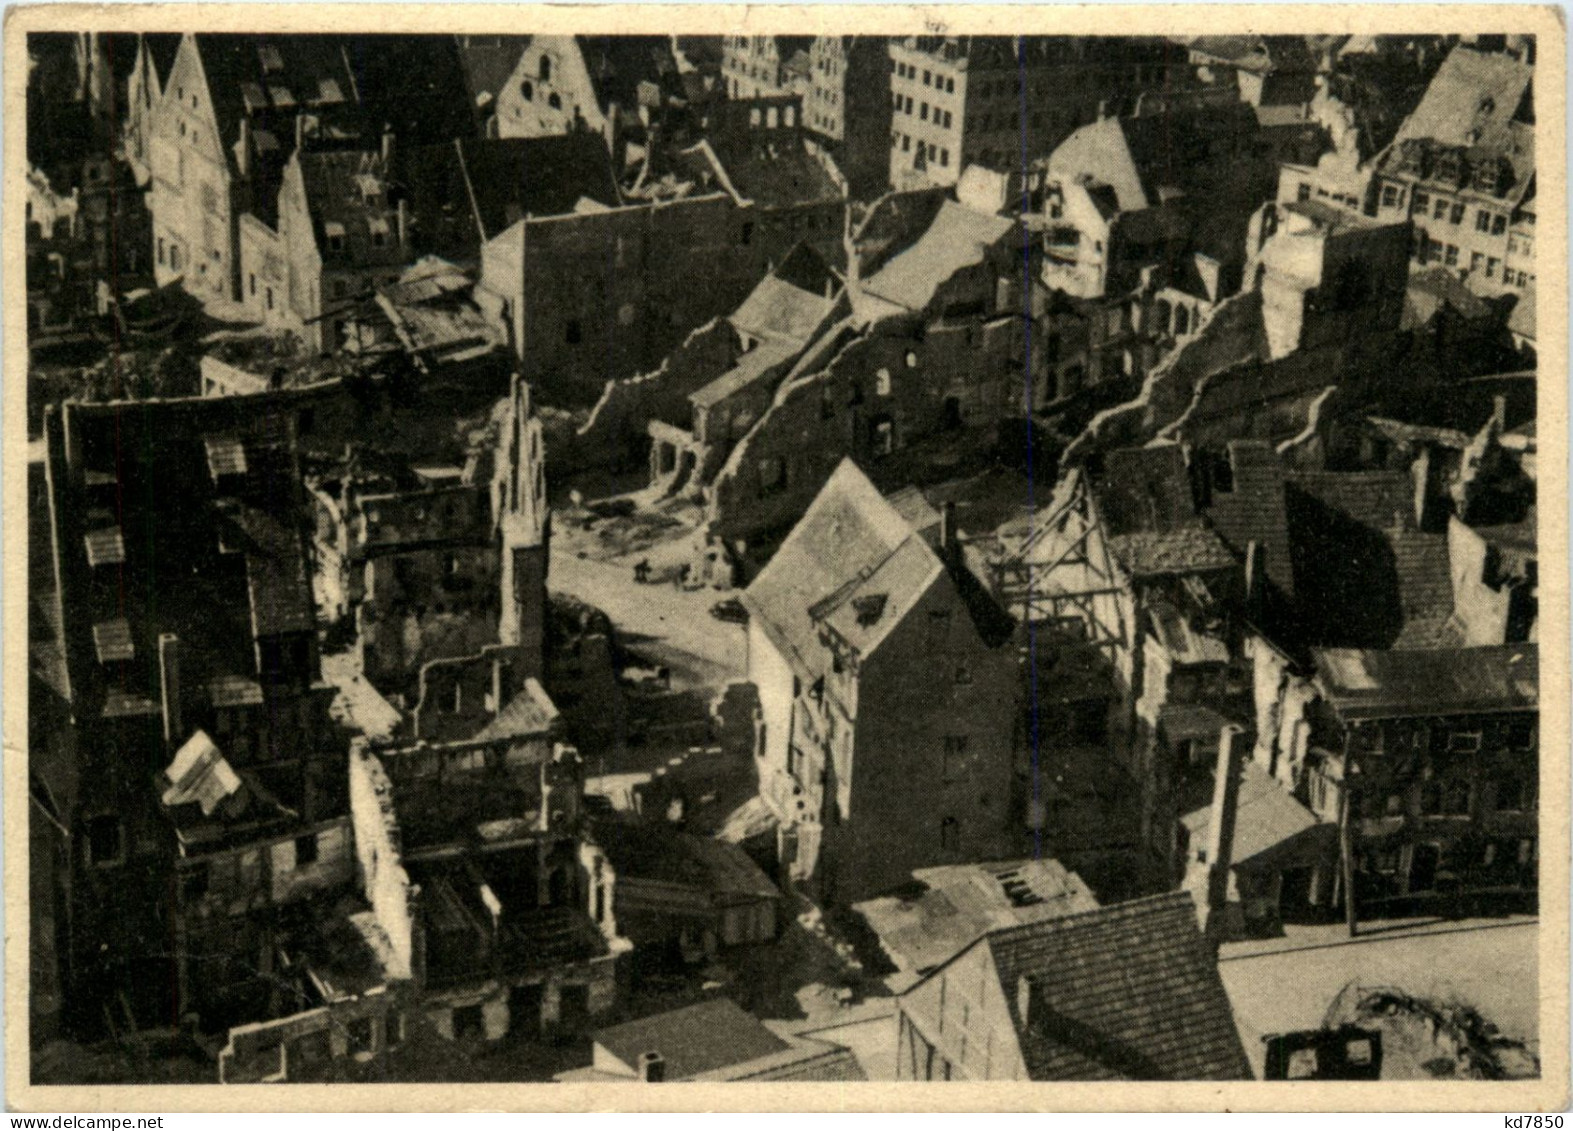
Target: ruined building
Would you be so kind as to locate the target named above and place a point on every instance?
(441, 571)
(474, 859)
(199, 788)
(920, 376)
(1319, 317)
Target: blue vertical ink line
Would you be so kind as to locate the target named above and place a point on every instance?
(1026, 377)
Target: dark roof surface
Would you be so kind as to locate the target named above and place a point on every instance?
(1127, 992)
(655, 852)
(1253, 510)
(698, 1038)
(464, 188)
(1389, 684)
(1367, 576)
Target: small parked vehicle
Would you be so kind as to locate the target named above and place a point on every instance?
(730, 610)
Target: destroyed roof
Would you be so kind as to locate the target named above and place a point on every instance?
(846, 534)
(432, 311)
(1145, 501)
(1471, 101)
(1266, 817)
(1193, 548)
(1129, 992)
(960, 903)
(656, 852)
(958, 238)
(780, 174)
(699, 1038)
(1378, 684)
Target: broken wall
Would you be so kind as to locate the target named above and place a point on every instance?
(605, 295)
(884, 392)
(378, 850)
(616, 434)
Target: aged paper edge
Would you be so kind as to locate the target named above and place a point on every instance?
(1549, 1093)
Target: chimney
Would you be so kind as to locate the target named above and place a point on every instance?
(652, 1067)
(300, 132)
(169, 681)
(949, 536)
(1220, 835)
(387, 145)
(243, 147)
(1498, 421)
(1253, 576)
(1024, 1000)
(404, 221)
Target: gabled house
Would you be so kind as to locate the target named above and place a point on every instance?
(235, 108)
(351, 220)
(610, 86)
(1462, 168)
(887, 686)
(1126, 992)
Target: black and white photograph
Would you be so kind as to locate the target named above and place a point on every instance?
(603, 558)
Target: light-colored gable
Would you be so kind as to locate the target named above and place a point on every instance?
(524, 105)
(187, 102)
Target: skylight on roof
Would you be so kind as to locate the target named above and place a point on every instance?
(226, 456)
(105, 547)
(112, 639)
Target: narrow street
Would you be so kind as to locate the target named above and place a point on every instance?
(668, 624)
